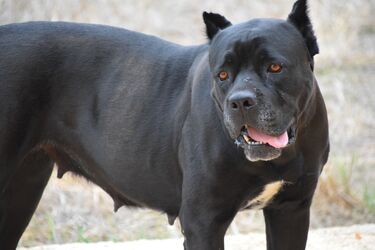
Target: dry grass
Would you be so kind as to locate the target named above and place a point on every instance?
(73, 210)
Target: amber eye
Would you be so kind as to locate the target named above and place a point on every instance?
(223, 75)
(275, 68)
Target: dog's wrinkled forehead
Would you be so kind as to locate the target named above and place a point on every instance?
(264, 38)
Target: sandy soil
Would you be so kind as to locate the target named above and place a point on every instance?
(359, 237)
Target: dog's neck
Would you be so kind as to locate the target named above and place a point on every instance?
(307, 114)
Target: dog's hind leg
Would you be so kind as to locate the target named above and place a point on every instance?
(19, 199)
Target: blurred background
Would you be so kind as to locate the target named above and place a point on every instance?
(72, 210)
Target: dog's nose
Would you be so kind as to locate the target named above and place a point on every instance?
(242, 100)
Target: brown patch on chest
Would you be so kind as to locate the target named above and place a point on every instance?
(265, 197)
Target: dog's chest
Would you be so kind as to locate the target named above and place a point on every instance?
(265, 196)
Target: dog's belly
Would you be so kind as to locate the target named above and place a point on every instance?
(266, 196)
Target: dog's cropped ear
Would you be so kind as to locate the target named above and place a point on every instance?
(300, 19)
(214, 22)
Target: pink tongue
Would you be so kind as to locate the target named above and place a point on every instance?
(275, 141)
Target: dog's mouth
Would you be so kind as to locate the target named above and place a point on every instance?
(250, 137)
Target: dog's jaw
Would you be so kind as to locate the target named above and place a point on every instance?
(261, 153)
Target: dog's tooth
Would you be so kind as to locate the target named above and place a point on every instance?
(247, 139)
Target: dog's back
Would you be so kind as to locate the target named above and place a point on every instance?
(65, 74)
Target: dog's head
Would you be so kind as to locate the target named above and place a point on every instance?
(262, 78)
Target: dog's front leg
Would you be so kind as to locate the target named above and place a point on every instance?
(203, 229)
(287, 228)
(204, 215)
(287, 220)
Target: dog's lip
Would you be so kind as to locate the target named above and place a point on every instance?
(244, 139)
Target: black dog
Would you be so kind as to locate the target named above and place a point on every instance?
(199, 132)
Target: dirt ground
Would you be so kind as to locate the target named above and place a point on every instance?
(341, 238)
(73, 210)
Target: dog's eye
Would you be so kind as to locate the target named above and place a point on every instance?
(223, 75)
(274, 68)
